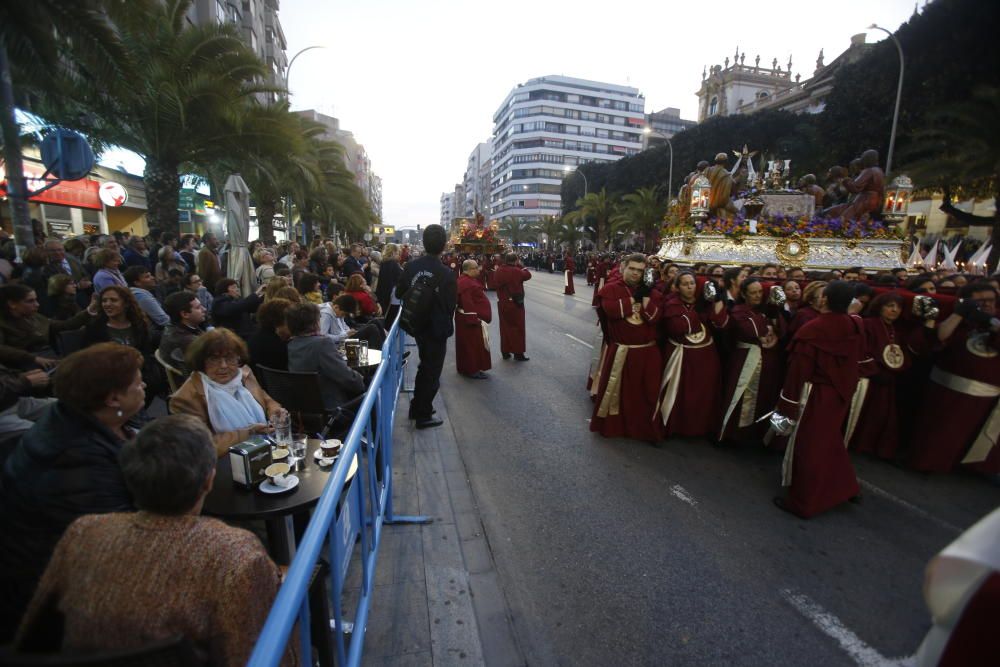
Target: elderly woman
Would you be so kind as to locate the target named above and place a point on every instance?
(107, 262)
(168, 259)
(25, 335)
(67, 464)
(221, 581)
(265, 265)
(222, 391)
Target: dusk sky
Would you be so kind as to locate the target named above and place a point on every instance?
(418, 82)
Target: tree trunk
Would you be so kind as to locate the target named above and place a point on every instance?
(601, 236)
(163, 188)
(17, 186)
(265, 221)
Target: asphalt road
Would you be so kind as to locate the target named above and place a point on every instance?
(613, 552)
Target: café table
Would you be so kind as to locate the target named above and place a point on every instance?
(228, 500)
(368, 368)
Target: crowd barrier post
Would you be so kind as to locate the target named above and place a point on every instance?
(349, 513)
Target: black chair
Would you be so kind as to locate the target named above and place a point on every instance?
(173, 652)
(301, 395)
(70, 341)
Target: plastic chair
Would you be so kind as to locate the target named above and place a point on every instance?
(167, 653)
(301, 395)
(70, 341)
(175, 377)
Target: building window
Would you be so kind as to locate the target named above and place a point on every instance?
(762, 95)
(713, 106)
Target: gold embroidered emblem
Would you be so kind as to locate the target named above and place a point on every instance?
(892, 356)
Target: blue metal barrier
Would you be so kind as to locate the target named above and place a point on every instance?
(346, 513)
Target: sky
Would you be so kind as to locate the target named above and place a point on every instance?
(418, 81)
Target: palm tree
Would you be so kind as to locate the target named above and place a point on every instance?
(516, 229)
(641, 212)
(550, 226)
(569, 234)
(597, 208)
(183, 96)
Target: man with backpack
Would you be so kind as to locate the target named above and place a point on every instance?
(427, 290)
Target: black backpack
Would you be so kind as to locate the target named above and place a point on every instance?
(417, 303)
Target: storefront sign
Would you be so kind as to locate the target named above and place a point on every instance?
(79, 194)
(113, 194)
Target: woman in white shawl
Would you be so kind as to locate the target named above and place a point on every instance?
(223, 392)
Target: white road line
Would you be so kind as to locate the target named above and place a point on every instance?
(682, 494)
(860, 652)
(910, 506)
(581, 342)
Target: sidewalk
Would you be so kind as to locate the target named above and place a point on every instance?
(437, 598)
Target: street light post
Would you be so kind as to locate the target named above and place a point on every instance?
(899, 96)
(288, 93)
(670, 173)
(582, 175)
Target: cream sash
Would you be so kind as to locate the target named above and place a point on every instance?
(597, 360)
(857, 403)
(988, 435)
(611, 401)
(786, 463)
(672, 378)
(748, 383)
(566, 278)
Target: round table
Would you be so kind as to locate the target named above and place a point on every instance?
(228, 500)
(368, 369)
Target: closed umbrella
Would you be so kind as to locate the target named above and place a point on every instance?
(239, 266)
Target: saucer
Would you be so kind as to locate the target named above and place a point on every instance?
(318, 455)
(267, 487)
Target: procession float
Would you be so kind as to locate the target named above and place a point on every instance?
(748, 216)
(474, 237)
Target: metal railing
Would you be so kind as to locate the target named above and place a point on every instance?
(349, 511)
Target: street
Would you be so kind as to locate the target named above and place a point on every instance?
(617, 552)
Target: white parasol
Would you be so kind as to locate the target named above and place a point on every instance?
(239, 267)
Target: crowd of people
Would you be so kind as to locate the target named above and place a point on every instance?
(89, 330)
(814, 364)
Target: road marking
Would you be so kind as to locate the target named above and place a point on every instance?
(581, 342)
(860, 652)
(910, 506)
(682, 494)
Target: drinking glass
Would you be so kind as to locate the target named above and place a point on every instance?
(282, 425)
(298, 446)
(363, 353)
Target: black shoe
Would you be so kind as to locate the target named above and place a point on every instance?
(480, 376)
(521, 357)
(411, 414)
(430, 422)
(505, 355)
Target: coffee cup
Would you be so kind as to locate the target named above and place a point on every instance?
(277, 473)
(279, 454)
(330, 448)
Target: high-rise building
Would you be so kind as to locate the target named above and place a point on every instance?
(259, 26)
(447, 209)
(550, 125)
(477, 182)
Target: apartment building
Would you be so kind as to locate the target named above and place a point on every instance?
(548, 126)
(477, 182)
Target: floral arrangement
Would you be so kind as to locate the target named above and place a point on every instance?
(779, 226)
(479, 232)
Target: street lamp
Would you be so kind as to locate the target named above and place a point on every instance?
(568, 169)
(288, 201)
(288, 70)
(899, 96)
(648, 131)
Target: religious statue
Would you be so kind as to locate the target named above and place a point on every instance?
(807, 185)
(720, 204)
(868, 188)
(836, 193)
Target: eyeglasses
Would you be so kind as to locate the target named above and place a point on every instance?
(229, 360)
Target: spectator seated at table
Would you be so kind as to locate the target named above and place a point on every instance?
(335, 321)
(367, 306)
(232, 311)
(187, 315)
(66, 465)
(121, 581)
(309, 351)
(222, 391)
(25, 335)
(62, 303)
(142, 283)
(120, 320)
(269, 343)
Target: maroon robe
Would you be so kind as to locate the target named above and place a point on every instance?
(591, 272)
(747, 326)
(601, 278)
(473, 308)
(877, 429)
(826, 353)
(634, 414)
(695, 411)
(509, 280)
(568, 269)
(951, 420)
(803, 315)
